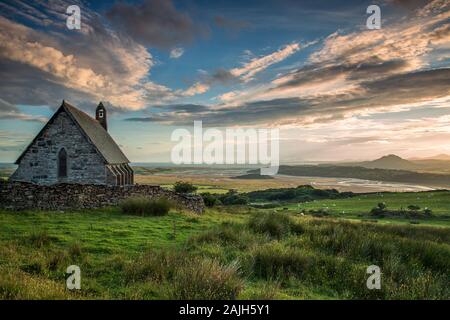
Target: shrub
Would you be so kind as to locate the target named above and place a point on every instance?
(145, 206)
(209, 199)
(184, 187)
(380, 209)
(233, 198)
(318, 212)
(275, 224)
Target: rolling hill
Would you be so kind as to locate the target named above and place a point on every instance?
(391, 161)
(442, 156)
(435, 164)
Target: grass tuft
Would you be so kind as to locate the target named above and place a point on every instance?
(145, 206)
(275, 224)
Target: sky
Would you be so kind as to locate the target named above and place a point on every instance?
(335, 89)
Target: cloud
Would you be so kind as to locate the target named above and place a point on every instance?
(376, 96)
(11, 112)
(245, 73)
(176, 53)
(82, 67)
(409, 4)
(255, 65)
(197, 88)
(155, 23)
(360, 72)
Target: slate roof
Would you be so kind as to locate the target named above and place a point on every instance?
(93, 131)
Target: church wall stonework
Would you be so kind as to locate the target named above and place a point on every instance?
(28, 196)
(40, 162)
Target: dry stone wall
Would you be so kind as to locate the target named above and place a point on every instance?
(28, 196)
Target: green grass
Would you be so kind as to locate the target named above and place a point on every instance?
(105, 231)
(355, 207)
(226, 253)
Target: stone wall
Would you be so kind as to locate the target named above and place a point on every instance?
(40, 162)
(28, 196)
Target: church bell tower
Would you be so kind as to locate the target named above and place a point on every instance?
(100, 115)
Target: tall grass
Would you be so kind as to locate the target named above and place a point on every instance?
(145, 206)
(334, 255)
(41, 238)
(182, 276)
(267, 256)
(275, 224)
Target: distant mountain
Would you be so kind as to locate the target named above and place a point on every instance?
(390, 161)
(442, 156)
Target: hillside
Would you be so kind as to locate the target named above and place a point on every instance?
(390, 162)
(436, 164)
(433, 179)
(442, 156)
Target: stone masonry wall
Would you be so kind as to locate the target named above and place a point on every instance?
(40, 163)
(29, 196)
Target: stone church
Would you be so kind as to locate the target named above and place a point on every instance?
(74, 148)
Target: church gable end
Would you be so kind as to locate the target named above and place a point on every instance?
(61, 153)
(73, 147)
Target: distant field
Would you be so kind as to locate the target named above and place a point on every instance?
(216, 183)
(220, 180)
(438, 202)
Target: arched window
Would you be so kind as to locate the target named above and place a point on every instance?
(62, 163)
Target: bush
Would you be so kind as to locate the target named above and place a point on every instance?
(209, 199)
(233, 198)
(145, 206)
(184, 187)
(380, 209)
(275, 224)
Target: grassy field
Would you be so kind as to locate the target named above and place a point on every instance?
(358, 207)
(226, 253)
